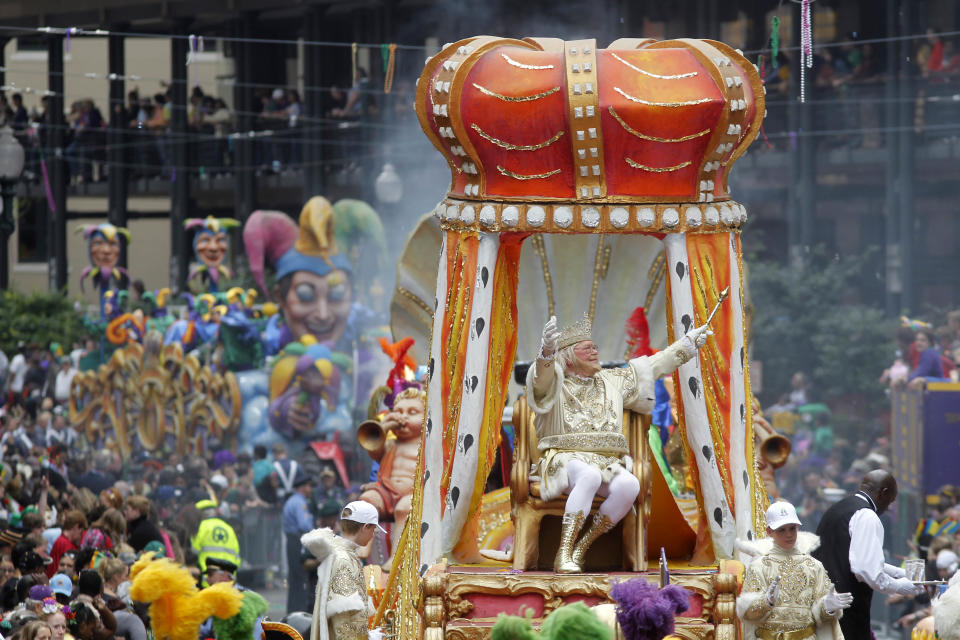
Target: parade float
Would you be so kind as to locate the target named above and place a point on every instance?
(293, 361)
(548, 139)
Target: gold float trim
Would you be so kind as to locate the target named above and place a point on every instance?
(653, 75)
(637, 165)
(686, 103)
(644, 136)
(500, 96)
(535, 176)
(534, 67)
(516, 147)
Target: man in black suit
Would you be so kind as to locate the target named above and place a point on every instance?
(851, 549)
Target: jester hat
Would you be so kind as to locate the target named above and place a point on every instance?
(272, 237)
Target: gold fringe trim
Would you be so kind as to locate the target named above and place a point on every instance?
(412, 297)
(644, 136)
(637, 165)
(679, 76)
(516, 147)
(535, 176)
(533, 67)
(687, 103)
(539, 247)
(500, 96)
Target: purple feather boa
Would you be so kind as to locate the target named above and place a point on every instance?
(645, 612)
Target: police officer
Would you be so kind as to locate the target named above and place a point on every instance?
(298, 520)
(215, 538)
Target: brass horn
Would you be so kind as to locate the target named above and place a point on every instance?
(371, 435)
(775, 450)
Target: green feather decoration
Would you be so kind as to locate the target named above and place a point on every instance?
(574, 622)
(240, 626)
(512, 628)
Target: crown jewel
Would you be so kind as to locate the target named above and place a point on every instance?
(582, 330)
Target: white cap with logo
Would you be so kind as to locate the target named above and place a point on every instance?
(781, 513)
(362, 512)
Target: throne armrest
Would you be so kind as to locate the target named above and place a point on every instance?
(524, 444)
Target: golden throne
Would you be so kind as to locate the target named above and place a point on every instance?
(529, 511)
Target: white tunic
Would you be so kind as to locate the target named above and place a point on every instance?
(582, 418)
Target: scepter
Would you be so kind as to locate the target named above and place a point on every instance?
(723, 296)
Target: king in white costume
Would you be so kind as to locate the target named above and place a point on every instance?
(787, 594)
(578, 409)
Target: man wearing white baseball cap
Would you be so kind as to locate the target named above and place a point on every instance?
(786, 593)
(342, 607)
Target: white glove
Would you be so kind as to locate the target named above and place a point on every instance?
(550, 339)
(905, 587)
(375, 634)
(833, 601)
(699, 335)
(894, 571)
(694, 339)
(773, 591)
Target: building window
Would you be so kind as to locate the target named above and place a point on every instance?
(32, 43)
(31, 230)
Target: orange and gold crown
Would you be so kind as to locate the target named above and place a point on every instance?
(545, 134)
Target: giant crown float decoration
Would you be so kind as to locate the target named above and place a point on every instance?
(547, 135)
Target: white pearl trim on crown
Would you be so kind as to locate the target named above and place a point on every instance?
(591, 218)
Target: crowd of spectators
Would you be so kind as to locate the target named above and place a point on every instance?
(148, 141)
(846, 90)
(74, 518)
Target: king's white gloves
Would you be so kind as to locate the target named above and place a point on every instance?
(550, 339)
(696, 338)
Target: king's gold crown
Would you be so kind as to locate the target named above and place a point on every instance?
(582, 330)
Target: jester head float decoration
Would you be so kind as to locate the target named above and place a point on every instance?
(103, 248)
(314, 288)
(210, 245)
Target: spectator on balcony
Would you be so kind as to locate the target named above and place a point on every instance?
(359, 100)
(20, 119)
(159, 123)
(88, 125)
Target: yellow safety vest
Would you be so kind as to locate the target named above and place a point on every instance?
(216, 539)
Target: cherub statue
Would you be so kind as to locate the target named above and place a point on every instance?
(392, 493)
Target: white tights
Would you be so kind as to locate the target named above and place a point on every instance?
(585, 481)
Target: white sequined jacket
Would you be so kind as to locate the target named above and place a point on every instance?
(342, 606)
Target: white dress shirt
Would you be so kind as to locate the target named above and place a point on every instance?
(866, 551)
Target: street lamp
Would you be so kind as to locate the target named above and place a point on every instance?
(11, 165)
(388, 186)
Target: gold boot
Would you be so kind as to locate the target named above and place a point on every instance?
(572, 523)
(600, 525)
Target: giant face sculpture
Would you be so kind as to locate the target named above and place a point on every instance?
(316, 305)
(104, 252)
(210, 248)
(314, 287)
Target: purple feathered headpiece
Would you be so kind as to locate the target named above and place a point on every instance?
(645, 612)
